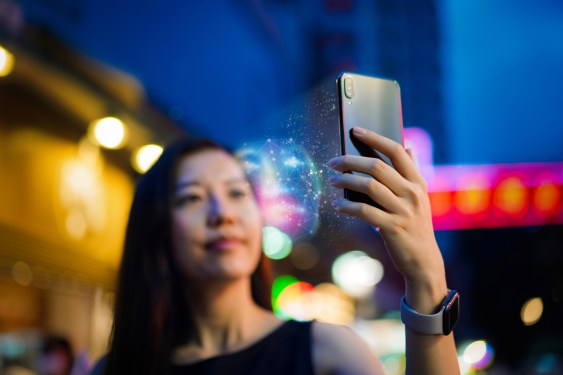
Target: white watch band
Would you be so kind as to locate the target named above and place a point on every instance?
(427, 324)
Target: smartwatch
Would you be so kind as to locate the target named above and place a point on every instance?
(440, 323)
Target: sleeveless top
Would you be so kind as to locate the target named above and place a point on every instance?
(286, 350)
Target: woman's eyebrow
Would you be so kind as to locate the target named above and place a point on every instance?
(184, 184)
(234, 180)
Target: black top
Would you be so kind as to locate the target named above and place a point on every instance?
(287, 350)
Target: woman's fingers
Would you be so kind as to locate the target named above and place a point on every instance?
(367, 213)
(376, 168)
(401, 160)
(405, 221)
(369, 186)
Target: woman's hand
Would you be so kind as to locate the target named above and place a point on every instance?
(405, 219)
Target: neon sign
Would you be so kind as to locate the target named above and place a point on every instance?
(489, 195)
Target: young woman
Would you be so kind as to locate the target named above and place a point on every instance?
(194, 286)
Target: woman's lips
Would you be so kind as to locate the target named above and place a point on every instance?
(224, 244)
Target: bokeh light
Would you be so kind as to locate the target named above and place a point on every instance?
(6, 62)
(356, 273)
(441, 197)
(299, 300)
(22, 273)
(287, 184)
(76, 224)
(478, 354)
(304, 256)
(547, 198)
(394, 363)
(335, 306)
(472, 194)
(276, 243)
(280, 283)
(296, 301)
(145, 157)
(108, 132)
(511, 196)
(531, 311)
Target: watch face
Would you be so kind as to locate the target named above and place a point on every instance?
(451, 312)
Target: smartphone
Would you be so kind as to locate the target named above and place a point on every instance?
(373, 103)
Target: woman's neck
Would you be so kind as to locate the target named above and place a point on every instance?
(226, 317)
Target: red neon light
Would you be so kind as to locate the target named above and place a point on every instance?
(487, 196)
(498, 195)
(547, 199)
(511, 197)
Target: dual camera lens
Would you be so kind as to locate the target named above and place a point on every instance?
(349, 87)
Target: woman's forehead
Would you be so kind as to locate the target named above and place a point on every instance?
(209, 165)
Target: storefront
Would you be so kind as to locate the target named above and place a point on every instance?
(64, 199)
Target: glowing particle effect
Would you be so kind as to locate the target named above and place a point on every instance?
(145, 157)
(357, 273)
(531, 311)
(108, 132)
(287, 185)
(276, 243)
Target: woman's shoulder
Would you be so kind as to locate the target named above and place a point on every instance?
(338, 349)
(98, 368)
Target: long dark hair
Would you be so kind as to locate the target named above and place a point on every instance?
(151, 313)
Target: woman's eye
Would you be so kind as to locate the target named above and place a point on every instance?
(237, 193)
(188, 199)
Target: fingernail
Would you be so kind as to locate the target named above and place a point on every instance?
(359, 130)
(332, 162)
(335, 203)
(331, 179)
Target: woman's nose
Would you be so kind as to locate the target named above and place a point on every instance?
(220, 211)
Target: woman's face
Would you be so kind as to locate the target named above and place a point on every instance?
(216, 221)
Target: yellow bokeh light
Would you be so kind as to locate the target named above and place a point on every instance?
(108, 132)
(6, 62)
(473, 194)
(511, 196)
(335, 306)
(145, 157)
(22, 273)
(532, 311)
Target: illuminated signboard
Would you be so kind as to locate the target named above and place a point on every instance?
(491, 195)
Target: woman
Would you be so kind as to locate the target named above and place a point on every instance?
(193, 294)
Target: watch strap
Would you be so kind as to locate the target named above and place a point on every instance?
(432, 324)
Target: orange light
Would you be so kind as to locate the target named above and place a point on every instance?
(547, 198)
(295, 301)
(472, 195)
(472, 201)
(441, 202)
(511, 196)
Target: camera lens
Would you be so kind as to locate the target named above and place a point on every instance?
(349, 87)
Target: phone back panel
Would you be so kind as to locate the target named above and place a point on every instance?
(375, 105)
(372, 103)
